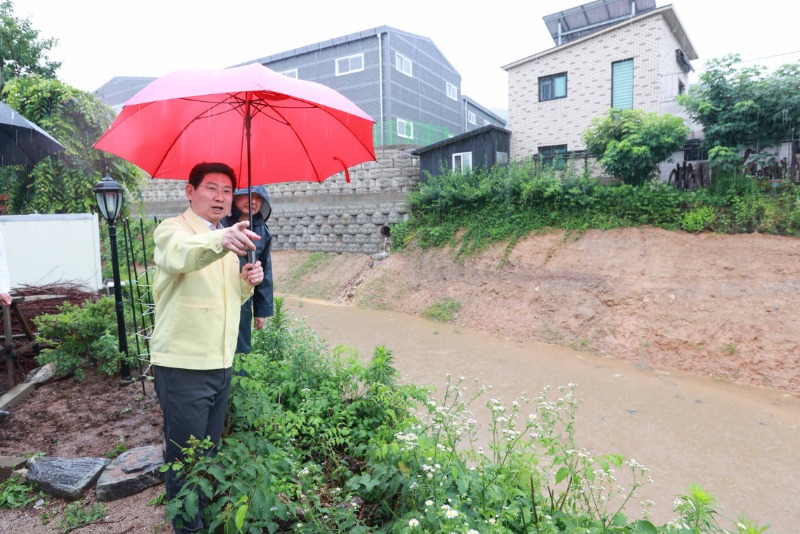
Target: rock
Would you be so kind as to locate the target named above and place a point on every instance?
(20, 475)
(65, 477)
(9, 464)
(132, 472)
(41, 375)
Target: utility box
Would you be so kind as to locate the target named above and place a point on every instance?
(44, 250)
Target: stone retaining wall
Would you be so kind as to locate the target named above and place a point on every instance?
(332, 216)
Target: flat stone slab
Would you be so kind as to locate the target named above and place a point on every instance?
(9, 464)
(131, 472)
(65, 477)
(17, 394)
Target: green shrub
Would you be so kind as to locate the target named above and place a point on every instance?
(319, 442)
(630, 143)
(698, 219)
(79, 336)
(469, 211)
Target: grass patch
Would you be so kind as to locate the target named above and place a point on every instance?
(444, 310)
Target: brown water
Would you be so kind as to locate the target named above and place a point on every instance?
(738, 442)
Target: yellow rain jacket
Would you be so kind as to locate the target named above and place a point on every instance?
(198, 295)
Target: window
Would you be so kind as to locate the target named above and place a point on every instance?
(471, 117)
(291, 73)
(403, 64)
(681, 88)
(462, 162)
(552, 87)
(452, 90)
(346, 65)
(405, 128)
(622, 84)
(553, 155)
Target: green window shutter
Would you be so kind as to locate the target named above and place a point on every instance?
(622, 84)
(560, 86)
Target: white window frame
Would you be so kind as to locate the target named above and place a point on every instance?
(405, 129)
(471, 117)
(403, 64)
(340, 71)
(291, 73)
(451, 90)
(462, 162)
(486, 123)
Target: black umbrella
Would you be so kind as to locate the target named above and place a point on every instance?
(21, 141)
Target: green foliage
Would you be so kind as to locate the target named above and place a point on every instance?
(301, 416)
(319, 442)
(77, 514)
(81, 336)
(137, 248)
(63, 182)
(745, 106)
(470, 211)
(444, 310)
(630, 143)
(724, 159)
(117, 449)
(15, 494)
(22, 51)
(698, 219)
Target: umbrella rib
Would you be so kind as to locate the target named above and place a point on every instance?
(203, 113)
(260, 105)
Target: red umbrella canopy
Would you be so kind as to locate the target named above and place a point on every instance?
(299, 130)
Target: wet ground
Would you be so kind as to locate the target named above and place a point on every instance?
(738, 442)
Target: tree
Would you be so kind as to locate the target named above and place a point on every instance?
(630, 143)
(22, 53)
(745, 107)
(62, 182)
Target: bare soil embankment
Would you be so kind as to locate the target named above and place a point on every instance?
(714, 305)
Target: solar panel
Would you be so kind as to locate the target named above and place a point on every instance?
(583, 20)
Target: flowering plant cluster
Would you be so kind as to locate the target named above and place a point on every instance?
(318, 442)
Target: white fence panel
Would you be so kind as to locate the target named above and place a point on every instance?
(52, 249)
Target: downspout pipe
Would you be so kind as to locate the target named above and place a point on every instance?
(380, 83)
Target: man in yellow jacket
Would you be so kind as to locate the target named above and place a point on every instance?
(198, 292)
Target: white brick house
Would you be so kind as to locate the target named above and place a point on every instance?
(555, 94)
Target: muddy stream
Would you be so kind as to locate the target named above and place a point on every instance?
(738, 442)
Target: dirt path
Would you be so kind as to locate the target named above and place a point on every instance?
(713, 305)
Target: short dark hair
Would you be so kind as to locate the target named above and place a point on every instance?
(200, 170)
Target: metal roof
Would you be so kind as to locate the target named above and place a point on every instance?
(583, 20)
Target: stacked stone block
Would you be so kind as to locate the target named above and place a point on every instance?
(331, 216)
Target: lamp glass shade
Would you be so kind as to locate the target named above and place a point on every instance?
(109, 195)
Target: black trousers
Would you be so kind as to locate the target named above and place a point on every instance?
(193, 403)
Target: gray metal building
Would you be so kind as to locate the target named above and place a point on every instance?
(400, 79)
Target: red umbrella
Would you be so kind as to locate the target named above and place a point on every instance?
(252, 118)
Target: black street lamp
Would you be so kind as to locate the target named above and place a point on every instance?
(110, 196)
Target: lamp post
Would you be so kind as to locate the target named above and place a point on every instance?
(109, 196)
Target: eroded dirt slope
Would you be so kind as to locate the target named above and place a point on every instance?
(715, 305)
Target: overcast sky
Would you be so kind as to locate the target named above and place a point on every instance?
(100, 39)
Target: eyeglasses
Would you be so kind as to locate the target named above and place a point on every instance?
(213, 189)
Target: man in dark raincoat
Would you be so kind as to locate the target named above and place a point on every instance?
(260, 305)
